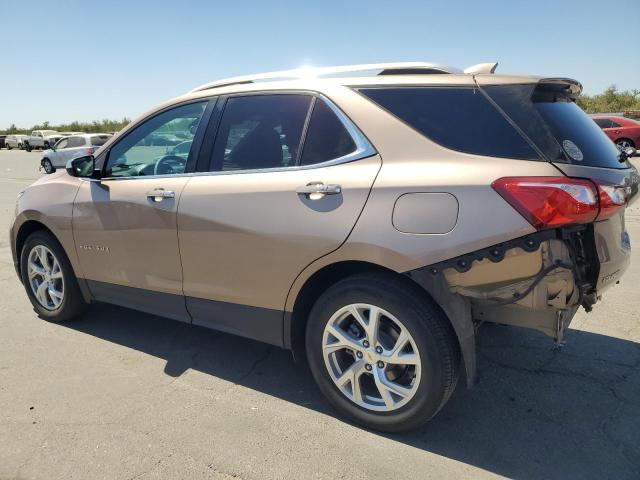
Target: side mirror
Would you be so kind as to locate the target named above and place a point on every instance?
(82, 167)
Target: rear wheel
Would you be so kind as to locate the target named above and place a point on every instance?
(49, 280)
(8, 146)
(381, 352)
(47, 166)
(27, 147)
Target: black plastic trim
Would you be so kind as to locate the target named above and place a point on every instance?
(257, 323)
(262, 324)
(158, 303)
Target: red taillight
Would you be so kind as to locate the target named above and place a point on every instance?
(611, 197)
(549, 202)
(90, 151)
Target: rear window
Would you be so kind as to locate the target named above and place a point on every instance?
(99, 140)
(459, 118)
(556, 125)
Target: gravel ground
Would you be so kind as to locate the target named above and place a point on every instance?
(121, 394)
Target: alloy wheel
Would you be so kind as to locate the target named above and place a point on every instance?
(371, 357)
(45, 277)
(48, 167)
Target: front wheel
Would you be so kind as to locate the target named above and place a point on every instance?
(382, 353)
(49, 280)
(48, 166)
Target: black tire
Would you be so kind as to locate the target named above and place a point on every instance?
(73, 303)
(625, 142)
(27, 147)
(431, 330)
(46, 146)
(47, 165)
(8, 147)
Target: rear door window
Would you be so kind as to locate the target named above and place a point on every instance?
(260, 131)
(326, 138)
(459, 118)
(76, 142)
(556, 125)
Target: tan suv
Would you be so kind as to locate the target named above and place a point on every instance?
(371, 220)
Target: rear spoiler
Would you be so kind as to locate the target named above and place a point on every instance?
(568, 86)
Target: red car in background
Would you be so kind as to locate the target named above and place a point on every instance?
(623, 131)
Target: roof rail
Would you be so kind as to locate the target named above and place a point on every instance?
(399, 68)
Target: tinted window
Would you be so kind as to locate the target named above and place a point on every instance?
(75, 142)
(560, 129)
(615, 125)
(327, 138)
(603, 122)
(457, 118)
(146, 150)
(260, 131)
(99, 140)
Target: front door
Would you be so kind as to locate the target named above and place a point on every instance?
(125, 225)
(287, 182)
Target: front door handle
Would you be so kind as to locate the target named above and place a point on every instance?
(317, 190)
(159, 194)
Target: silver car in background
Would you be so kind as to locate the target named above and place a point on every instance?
(15, 141)
(68, 148)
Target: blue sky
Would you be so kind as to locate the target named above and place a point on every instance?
(70, 60)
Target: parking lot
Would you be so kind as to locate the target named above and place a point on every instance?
(122, 394)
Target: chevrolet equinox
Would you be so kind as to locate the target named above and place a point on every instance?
(369, 217)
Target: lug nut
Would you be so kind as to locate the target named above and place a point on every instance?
(379, 349)
(367, 367)
(365, 344)
(359, 354)
(380, 364)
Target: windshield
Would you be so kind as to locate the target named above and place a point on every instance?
(556, 125)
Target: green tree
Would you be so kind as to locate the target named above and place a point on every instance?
(610, 101)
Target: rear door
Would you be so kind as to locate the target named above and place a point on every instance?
(288, 176)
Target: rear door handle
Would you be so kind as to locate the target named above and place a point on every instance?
(159, 194)
(317, 190)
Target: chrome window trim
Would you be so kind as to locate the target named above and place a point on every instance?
(329, 163)
(364, 148)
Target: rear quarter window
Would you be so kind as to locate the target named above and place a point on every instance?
(99, 140)
(459, 118)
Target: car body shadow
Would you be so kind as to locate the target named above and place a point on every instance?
(537, 412)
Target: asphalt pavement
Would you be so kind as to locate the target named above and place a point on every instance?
(121, 394)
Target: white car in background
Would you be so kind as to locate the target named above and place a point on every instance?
(53, 139)
(15, 141)
(68, 148)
